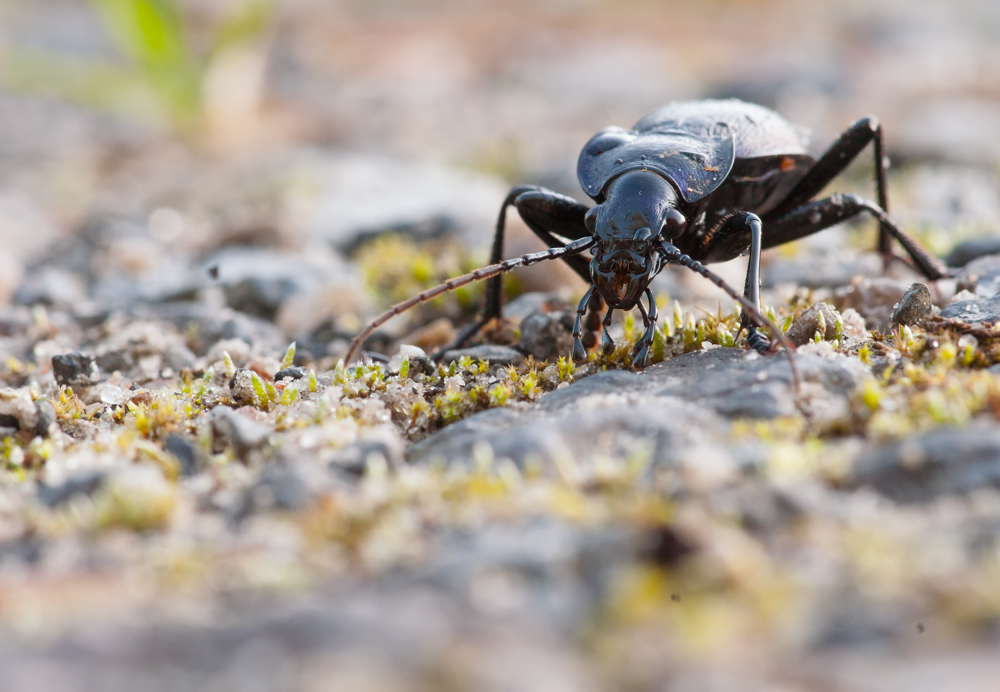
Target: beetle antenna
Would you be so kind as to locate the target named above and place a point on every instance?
(573, 248)
(674, 254)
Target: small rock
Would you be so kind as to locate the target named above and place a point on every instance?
(874, 299)
(963, 253)
(75, 369)
(353, 460)
(973, 311)
(419, 362)
(19, 409)
(914, 306)
(296, 372)
(981, 276)
(241, 388)
(944, 461)
(186, 452)
(547, 335)
(84, 484)
(496, 355)
(46, 417)
(244, 434)
(279, 487)
(803, 330)
(112, 395)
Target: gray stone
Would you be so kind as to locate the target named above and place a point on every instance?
(547, 335)
(75, 369)
(353, 460)
(805, 327)
(84, 485)
(736, 384)
(244, 434)
(914, 306)
(963, 253)
(46, 417)
(980, 276)
(874, 299)
(296, 372)
(944, 461)
(186, 452)
(972, 311)
(280, 487)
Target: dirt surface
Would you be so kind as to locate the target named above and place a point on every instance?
(187, 502)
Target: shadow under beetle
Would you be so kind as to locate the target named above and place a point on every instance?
(691, 183)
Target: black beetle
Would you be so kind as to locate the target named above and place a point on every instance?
(692, 182)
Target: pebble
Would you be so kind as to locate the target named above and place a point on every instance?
(803, 330)
(75, 369)
(245, 435)
(547, 335)
(112, 395)
(241, 386)
(914, 306)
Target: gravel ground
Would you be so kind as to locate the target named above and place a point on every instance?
(196, 493)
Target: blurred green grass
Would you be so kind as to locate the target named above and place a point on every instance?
(163, 77)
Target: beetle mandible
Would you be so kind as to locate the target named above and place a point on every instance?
(691, 183)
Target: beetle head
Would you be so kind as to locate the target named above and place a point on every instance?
(639, 210)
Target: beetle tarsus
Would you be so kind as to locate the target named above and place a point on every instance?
(757, 341)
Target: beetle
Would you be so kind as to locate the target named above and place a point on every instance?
(691, 183)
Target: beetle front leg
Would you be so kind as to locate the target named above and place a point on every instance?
(640, 353)
(579, 352)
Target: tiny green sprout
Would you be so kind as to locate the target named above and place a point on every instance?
(289, 359)
(565, 367)
(312, 380)
(452, 369)
(771, 314)
(259, 389)
(466, 364)
(272, 391)
(228, 365)
(659, 351)
(484, 367)
(865, 354)
(404, 369)
(678, 316)
(871, 394)
(702, 334)
(786, 325)
(723, 336)
(340, 373)
(820, 325)
(629, 327)
(289, 396)
(838, 329)
(529, 385)
(499, 394)
(968, 354)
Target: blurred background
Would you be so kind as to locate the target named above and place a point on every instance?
(327, 157)
(142, 141)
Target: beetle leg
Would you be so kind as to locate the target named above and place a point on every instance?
(607, 344)
(832, 163)
(640, 354)
(751, 289)
(579, 352)
(553, 218)
(815, 216)
(593, 323)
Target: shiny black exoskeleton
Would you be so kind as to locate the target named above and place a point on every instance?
(694, 182)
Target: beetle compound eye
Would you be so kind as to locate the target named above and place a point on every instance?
(675, 224)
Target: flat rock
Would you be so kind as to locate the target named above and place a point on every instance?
(972, 311)
(980, 276)
(945, 461)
